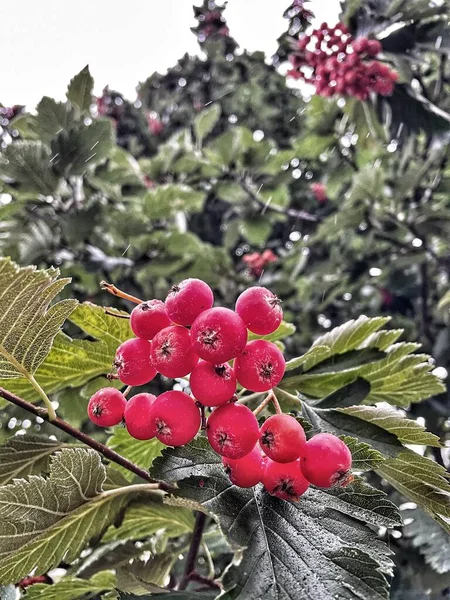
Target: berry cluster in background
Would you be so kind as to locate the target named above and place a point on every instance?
(337, 64)
(187, 336)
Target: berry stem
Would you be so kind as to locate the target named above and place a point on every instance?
(269, 398)
(127, 390)
(113, 313)
(82, 437)
(199, 526)
(112, 289)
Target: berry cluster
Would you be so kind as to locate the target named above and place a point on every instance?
(337, 64)
(185, 336)
(256, 261)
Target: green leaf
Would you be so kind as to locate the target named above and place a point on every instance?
(205, 122)
(140, 577)
(256, 230)
(27, 325)
(72, 363)
(429, 538)
(349, 395)
(143, 520)
(29, 164)
(364, 457)
(171, 595)
(283, 331)
(140, 452)
(53, 117)
(444, 303)
(43, 521)
(317, 548)
(26, 455)
(80, 89)
(312, 145)
(73, 588)
(166, 200)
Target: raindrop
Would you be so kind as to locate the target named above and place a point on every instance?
(306, 251)
(375, 272)
(137, 104)
(417, 242)
(118, 100)
(12, 423)
(347, 296)
(239, 252)
(258, 135)
(295, 236)
(440, 372)
(182, 82)
(232, 119)
(392, 146)
(295, 162)
(309, 175)
(289, 245)
(296, 173)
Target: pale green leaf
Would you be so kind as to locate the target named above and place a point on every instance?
(283, 331)
(24, 455)
(140, 452)
(29, 164)
(146, 576)
(79, 91)
(73, 588)
(205, 122)
(166, 200)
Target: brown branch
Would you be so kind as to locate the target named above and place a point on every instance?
(112, 289)
(82, 437)
(199, 526)
(269, 398)
(112, 313)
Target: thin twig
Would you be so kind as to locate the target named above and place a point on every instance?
(189, 568)
(424, 316)
(112, 313)
(269, 398)
(112, 289)
(82, 437)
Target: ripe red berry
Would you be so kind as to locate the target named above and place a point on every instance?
(212, 385)
(148, 318)
(137, 416)
(284, 480)
(326, 461)
(232, 430)
(246, 471)
(133, 362)
(260, 310)
(260, 367)
(106, 407)
(172, 352)
(187, 300)
(360, 45)
(218, 335)
(175, 417)
(282, 438)
(373, 47)
(320, 192)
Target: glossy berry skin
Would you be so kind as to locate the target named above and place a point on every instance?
(172, 353)
(326, 461)
(282, 438)
(106, 407)
(148, 318)
(246, 471)
(212, 385)
(175, 417)
(373, 47)
(260, 367)
(260, 310)
(218, 335)
(137, 416)
(232, 430)
(133, 362)
(284, 480)
(187, 300)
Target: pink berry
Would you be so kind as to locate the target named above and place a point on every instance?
(175, 417)
(284, 480)
(282, 438)
(360, 45)
(232, 430)
(326, 461)
(148, 318)
(246, 471)
(137, 416)
(187, 300)
(172, 352)
(260, 367)
(260, 310)
(373, 47)
(133, 362)
(319, 189)
(218, 335)
(106, 407)
(212, 385)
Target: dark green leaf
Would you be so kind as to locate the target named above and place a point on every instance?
(25, 455)
(80, 89)
(205, 122)
(53, 117)
(29, 164)
(350, 395)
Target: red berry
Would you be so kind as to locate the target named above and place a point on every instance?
(133, 362)
(351, 77)
(187, 300)
(148, 318)
(360, 45)
(172, 352)
(260, 310)
(212, 385)
(282, 438)
(137, 416)
(260, 367)
(384, 87)
(175, 417)
(320, 191)
(284, 480)
(218, 335)
(373, 47)
(352, 59)
(246, 471)
(106, 407)
(232, 430)
(326, 461)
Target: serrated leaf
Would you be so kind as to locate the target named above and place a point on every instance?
(364, 457)
(79, 91)
(140, 452)
(283, 331)
(73, 588)
(52, 117)
(28, 325)
(140, 577)
(349, 395)
(429, 538)
(317, 548)
(43, 521)
(29, 164)
(205, 122)
(72, 363)
(24, 455)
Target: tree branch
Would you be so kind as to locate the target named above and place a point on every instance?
(82, 437)
(199, 525)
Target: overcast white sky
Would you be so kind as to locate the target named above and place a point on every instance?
(43, 43)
